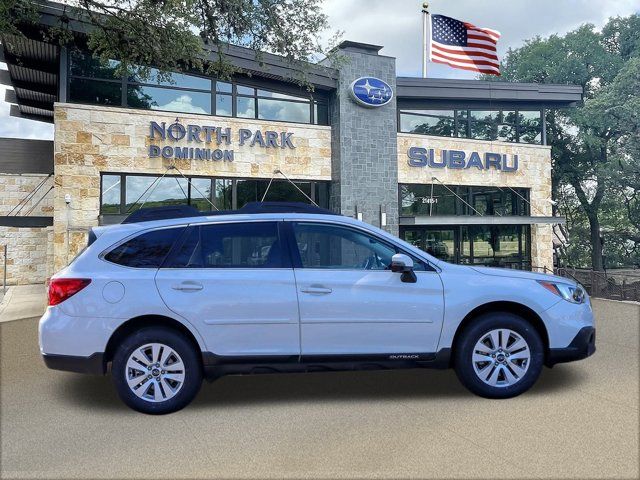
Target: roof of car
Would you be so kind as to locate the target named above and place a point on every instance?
(187, 211)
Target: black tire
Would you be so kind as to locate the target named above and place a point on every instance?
(182, 346)
(474, 332)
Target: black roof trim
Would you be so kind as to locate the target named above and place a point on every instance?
(411, 90)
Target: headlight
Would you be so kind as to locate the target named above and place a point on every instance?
(571, 293)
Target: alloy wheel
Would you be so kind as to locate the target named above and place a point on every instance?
(501, 357)
(155, 372)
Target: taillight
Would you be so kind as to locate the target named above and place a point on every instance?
(62, 288)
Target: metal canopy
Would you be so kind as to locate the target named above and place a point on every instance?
(481, 220)
(33, 73)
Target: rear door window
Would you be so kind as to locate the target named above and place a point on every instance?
(147, 250)
(231, 245)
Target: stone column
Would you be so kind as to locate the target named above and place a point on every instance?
(364, 140)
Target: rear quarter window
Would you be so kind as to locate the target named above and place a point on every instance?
(147, 250)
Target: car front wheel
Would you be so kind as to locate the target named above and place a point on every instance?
(499, 355)
(156, 370)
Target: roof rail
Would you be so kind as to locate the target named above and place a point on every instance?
(149, 214)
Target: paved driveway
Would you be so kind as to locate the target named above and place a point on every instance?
(579, 421)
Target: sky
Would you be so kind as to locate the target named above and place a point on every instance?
(397, 25)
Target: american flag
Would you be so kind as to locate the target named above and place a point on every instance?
(463, 45)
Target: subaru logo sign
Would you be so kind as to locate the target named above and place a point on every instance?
(371, 92)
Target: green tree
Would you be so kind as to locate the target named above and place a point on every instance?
(174, 35)
(592, 145)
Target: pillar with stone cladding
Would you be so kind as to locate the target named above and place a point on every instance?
(364, 140)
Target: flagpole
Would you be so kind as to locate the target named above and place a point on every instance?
(425, 37)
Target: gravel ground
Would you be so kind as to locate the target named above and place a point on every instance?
(579, 421)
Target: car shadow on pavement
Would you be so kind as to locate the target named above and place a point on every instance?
(98, 392)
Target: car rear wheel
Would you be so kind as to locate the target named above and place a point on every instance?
(499, 355)
(156, 370)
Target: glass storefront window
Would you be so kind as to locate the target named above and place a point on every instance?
(181, 80)
(320, 113)
(322, 194)
(242, 90)
(83, 64)
(428, 122)
(166, 191)
(423, 200)
(200, 195)
(246, 191)
(157, 98)
(110, 201)
(94, 82)
(483, 125)
(95, 92)
(440, 244)
(152, 191)
(499, 245)
(246, 107)
(530, 127)
(503, 125)
(269, 109)
(281, 96)
(223, 105)
(418, 199)
(495, 245)
(224, 87)
(222, 195)
(283, 191)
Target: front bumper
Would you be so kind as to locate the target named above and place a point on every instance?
(93, 364)
(582, 346)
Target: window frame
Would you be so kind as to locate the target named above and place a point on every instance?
(463, 126)
(286, 253)
(296, 259)
(519, 201)
(125, 83)
(232, 205)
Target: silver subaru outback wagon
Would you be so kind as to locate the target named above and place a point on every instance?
(170, 297)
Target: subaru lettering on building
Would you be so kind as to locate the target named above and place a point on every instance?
(426, 157)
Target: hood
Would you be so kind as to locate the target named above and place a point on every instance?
(511, 273)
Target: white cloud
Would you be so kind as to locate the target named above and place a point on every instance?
(183, 103)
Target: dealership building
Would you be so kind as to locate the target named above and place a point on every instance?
(460, 168)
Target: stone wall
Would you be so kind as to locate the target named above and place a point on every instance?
(534, 173)
(29, 257)
(93, 139)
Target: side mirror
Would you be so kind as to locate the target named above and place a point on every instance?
(403, 264)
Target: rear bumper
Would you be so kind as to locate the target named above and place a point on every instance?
(582, 346)
(93, 364)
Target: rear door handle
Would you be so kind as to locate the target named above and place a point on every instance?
(188, 286)
(316, 290)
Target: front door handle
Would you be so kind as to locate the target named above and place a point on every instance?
(316, 290)
(188, 286)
